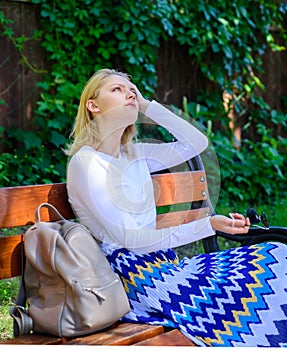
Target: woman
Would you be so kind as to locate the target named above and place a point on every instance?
(228, 298)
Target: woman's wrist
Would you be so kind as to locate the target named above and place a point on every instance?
(143, 105)
(211, 220)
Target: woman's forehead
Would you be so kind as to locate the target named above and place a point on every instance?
(118, 79)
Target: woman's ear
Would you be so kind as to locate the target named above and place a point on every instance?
(92, 106)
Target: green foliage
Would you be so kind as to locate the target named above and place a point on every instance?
(227, 41)
(254, 173)
(8, 290)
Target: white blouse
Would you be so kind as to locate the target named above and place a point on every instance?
(114, 197)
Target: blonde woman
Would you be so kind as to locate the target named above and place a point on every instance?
(210, 298)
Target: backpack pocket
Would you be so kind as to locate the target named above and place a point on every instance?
(95, 307)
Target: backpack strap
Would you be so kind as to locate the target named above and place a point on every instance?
(22, 322)
(50, 207)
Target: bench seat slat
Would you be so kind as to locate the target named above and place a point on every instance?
(123, 334)
(171, 338)
(34, 339)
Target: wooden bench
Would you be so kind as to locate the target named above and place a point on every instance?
(183, 195)
(18, 205)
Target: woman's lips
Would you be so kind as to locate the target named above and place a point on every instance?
(132, 104)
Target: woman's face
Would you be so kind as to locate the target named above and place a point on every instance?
(117, 94)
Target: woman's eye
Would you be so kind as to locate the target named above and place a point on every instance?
(116, 88)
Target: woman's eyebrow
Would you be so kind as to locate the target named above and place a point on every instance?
(130, 87)
(117, 84)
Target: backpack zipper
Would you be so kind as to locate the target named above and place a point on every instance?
(98, 291)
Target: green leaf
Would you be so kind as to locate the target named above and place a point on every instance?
(57, 138)
(31, 140)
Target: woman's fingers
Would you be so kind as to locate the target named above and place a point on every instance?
(239, 221)
(237, 216)
(237, 224)
(143, 103)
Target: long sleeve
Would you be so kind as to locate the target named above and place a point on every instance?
(190, 141)
(117, 209)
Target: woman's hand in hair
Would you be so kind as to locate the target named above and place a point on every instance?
(143, 102)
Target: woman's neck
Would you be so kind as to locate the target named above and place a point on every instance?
(111, 144)
(107, 149)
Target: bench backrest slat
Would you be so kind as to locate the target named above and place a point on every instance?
(181, 217)
(181, 187)
(18, 206)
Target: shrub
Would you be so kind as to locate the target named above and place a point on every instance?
(226, 40)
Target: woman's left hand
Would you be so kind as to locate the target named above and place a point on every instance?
(237, 225)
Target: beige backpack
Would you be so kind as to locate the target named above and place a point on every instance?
(70, 287)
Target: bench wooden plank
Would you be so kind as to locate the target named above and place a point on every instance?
(180, 217)
(123, 334)
(18, 204)
(10, 246)
(171, 338)
(10, 256)
(174, 188)
(34, 339)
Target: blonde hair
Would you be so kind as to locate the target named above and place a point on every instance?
(85, 130)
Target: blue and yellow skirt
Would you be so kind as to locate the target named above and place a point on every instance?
(236, 297)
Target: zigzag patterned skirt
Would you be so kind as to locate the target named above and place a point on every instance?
(236, 297)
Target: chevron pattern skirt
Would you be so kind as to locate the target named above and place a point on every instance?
(236, 297)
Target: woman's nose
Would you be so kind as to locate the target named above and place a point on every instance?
(131, 95)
